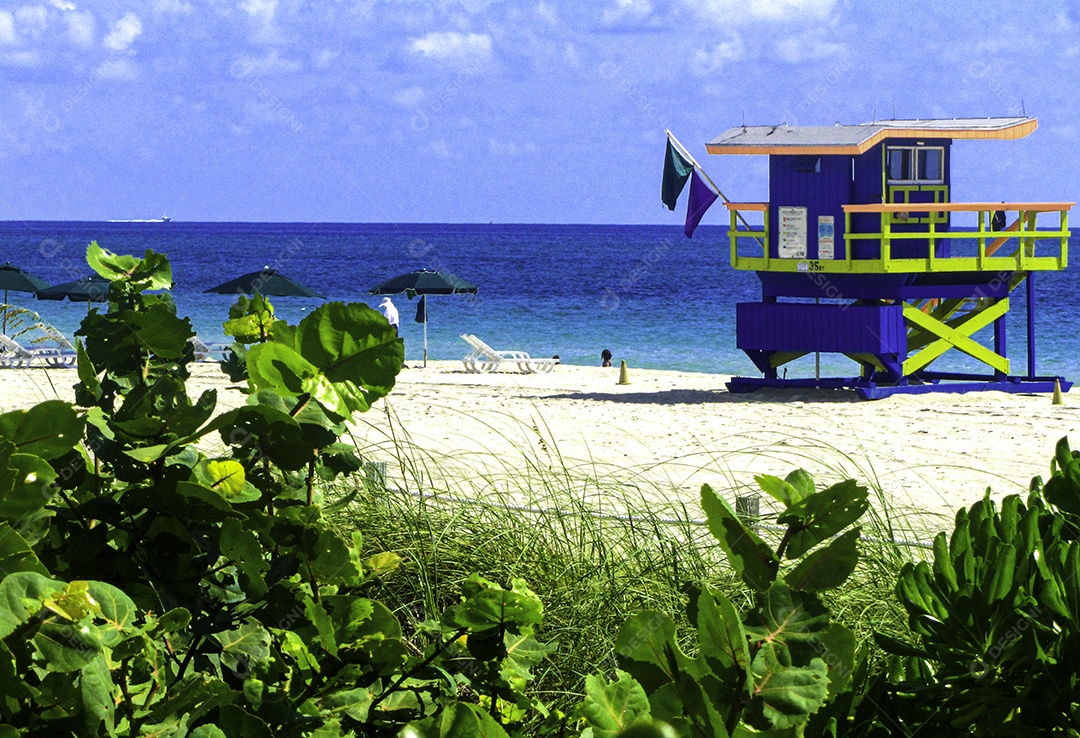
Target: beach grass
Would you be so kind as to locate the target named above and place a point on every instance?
(597, 544)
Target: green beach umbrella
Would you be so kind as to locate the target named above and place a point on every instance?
(94, 288)
(14, 279)
(264, 282)
(425, 282)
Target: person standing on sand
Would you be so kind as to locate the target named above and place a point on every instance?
(390, 312)
(605, 357)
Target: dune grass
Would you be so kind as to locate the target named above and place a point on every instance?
(597, 544)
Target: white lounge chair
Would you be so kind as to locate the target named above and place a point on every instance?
(483, 358)
(14, 355)
(209, 351)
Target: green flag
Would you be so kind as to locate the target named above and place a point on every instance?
(676, 171)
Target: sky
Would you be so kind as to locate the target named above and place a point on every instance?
(484, 111)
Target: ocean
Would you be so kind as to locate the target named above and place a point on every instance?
(653, 297)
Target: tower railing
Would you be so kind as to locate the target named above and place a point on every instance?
(975, 250)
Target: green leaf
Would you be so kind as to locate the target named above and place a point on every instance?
(798, 486)
(645, 647)
(487, 605)
(836, 647)
(67, 646)
(822, 515)
(251, 319)
(317, 614)
(48, 429)
(152, 272)
(331, 559)
(200, 503)
(828, 567)
(652, 730)
(207, 731)
(241, 546)
(788, 695)
(16, 554)
(352, 344)
(116, 609)
(21, 596)
(754, 561)
(226, 476)
(30, 490)
(611, 707)
(787, 617)
(99, 696)
(243, 646)
(462, 720)
(723, 642)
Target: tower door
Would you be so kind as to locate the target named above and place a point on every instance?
(916, 174)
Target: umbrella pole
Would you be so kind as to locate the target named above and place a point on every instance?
(5, 311)
(425, 335)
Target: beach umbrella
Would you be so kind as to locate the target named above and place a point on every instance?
(265, 282)
(94, 288)
(425, 282)
(14, 279)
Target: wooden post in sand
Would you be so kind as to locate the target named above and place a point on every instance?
(748, 508)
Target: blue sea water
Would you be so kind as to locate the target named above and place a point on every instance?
(647, 293)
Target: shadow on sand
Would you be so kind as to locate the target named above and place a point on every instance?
(718, 396)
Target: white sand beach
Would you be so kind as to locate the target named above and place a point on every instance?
(668, 432)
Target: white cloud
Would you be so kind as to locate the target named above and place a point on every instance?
(262, 9)
(707, 61)
(807, 47)
(410, 97)
(509, 148)
(269, 64)
(20, 59)
(628, 10)
(176, 7)
(440, 149)
(570, 55)
(122, 69)
(547, 13)
(33, 19)
(7, 28)
(123, 32)
(325, 57)
(452, 45)
(81, 29)
(730, 11)
(63, 5)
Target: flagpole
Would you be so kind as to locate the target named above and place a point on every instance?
(690, 157)
(686, 154)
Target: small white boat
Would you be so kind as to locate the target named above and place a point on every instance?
(162, 219)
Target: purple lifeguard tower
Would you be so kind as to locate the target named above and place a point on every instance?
(858, 255)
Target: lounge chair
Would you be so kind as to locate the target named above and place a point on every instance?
(483, 358)
(209, 351)
(14, 355)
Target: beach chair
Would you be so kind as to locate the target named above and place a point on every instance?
(483, 358)
(209, 351)
(13, 355)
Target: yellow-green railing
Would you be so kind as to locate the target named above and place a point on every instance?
(988, 240)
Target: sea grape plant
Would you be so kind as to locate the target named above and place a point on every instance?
(152, 586)
(995, 617)
(770, 668)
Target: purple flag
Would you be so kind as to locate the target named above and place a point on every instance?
(701, 197)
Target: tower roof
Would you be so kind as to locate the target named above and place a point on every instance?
(857, 139)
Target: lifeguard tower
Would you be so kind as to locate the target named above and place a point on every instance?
(858, 255)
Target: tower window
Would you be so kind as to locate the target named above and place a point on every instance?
(915, 164)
